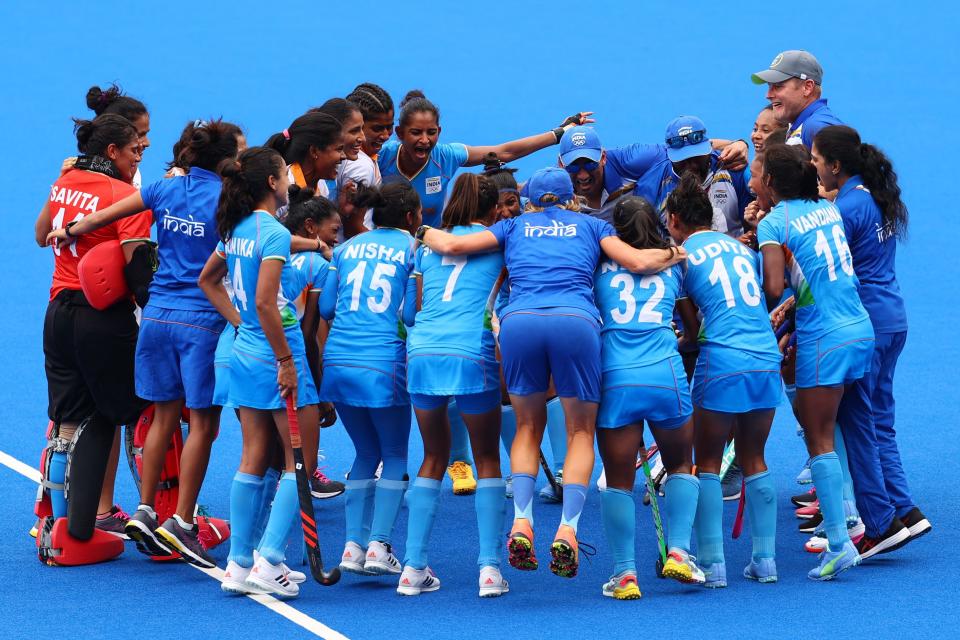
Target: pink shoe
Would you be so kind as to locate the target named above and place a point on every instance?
(805, 513)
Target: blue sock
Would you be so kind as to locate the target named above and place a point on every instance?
(423, 509)
(244, 503)
(761, 507)
(620, 524)
(295, 546)
(491, 511)
(574, 495)
(557, 432)
(681, 492)
(58, 475)
(709, 520)
(271, 480)
(523, 486)
(386, 505)
(849, 499)
(508, 428)
(285, 505)
(358, 501)
(828, 479)
(459, 438)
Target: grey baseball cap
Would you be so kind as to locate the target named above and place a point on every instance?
(790, 64)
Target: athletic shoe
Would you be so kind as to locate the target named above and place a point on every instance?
(142, 529)
(297, 577)
(353, 558)
(715, 575)
(520, 546)
(808, 511)
(548, 494)
(916, 523)
(763, 570)
(234, 580)
(818, 542)
(114, 522)
(508, 487)
(492, 584)
(622, 586)
(832, 563)
(805, 499)
(892, 539)
(805, 476)
(413, 582)
(272, 579)
(810, 525)
(462, 475)
(682, 567)
(380, 560)
(323, 487)
(186, 542)
(564, 553)
(732, 483)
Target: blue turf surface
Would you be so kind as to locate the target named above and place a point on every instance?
(497, 72)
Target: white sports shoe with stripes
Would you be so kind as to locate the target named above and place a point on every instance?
(413, 582)
(272, 579)
(380, 559)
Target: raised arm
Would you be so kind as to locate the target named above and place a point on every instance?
(447, 244)
(514, 149)
(644, 261)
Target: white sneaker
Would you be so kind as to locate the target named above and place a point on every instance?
(380, 560)
(413, 582)
(297, 577)
(272, 579)
(492, 583)
(234, 580)
(352, 559)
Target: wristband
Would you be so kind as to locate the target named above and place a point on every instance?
(743, 141)
(66, 229)
(558, 133)
(285, 359)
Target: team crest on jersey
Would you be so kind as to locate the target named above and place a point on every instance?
(433, 185)
(578, 139)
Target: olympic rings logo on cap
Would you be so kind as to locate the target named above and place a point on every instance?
(578, 139)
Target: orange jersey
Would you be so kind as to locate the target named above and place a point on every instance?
(79, 193)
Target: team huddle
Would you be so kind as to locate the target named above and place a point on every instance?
(339, 272)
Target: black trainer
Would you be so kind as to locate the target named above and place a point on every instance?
(142, 529)
(805, 499)
(916, 523)
(892, 539)
(732, 483)
(186, 542)
(323, 487)
(810, 524)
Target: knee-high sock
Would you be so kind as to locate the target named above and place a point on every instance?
(459, 438)
(285, 504)
(620, 524)
(557, 432)
(58, 475)
(358, 502)
(574, 495)
(828, 478)
(523, 486)
(709, 520)
(386, 504)
(271, 482)
(762, 514)
(295, 544)
(491, 511)
(245, 497)
(423, 510)
(508, 429)
(849, 499)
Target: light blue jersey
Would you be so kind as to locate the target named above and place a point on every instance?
(818, 264)
(257, 238)
(431, 181)
(364, 292)
(636, 311)
(723, 280)
(308, 273)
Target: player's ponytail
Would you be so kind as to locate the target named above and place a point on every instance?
(690, 204)
(245, 183)
(792, 175)
(474, 197)
(842, 144)
(415, 102)
(206, 144)
(391, 203)
(312, 129)
(112, 100)
(94, 136)
(501, 174)
(304, 205)
(638, 224)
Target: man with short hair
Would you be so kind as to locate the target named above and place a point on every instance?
(794, 88)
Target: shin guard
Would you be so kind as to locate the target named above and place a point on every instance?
(86, 466)
(57, 548)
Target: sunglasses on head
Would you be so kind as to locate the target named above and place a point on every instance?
(694, 137)
(589, 167)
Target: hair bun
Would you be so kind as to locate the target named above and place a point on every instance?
(298, 194)
(413, 94)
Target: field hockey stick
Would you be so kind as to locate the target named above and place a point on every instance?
(307, 518)
(738, 522)
(556, 486)
(657, 523)
(651, 453)
(728, 456)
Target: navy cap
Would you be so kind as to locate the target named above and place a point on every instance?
(580, 142)
(684, 126)
(552, 181)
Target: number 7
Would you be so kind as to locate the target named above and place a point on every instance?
(458, 263)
